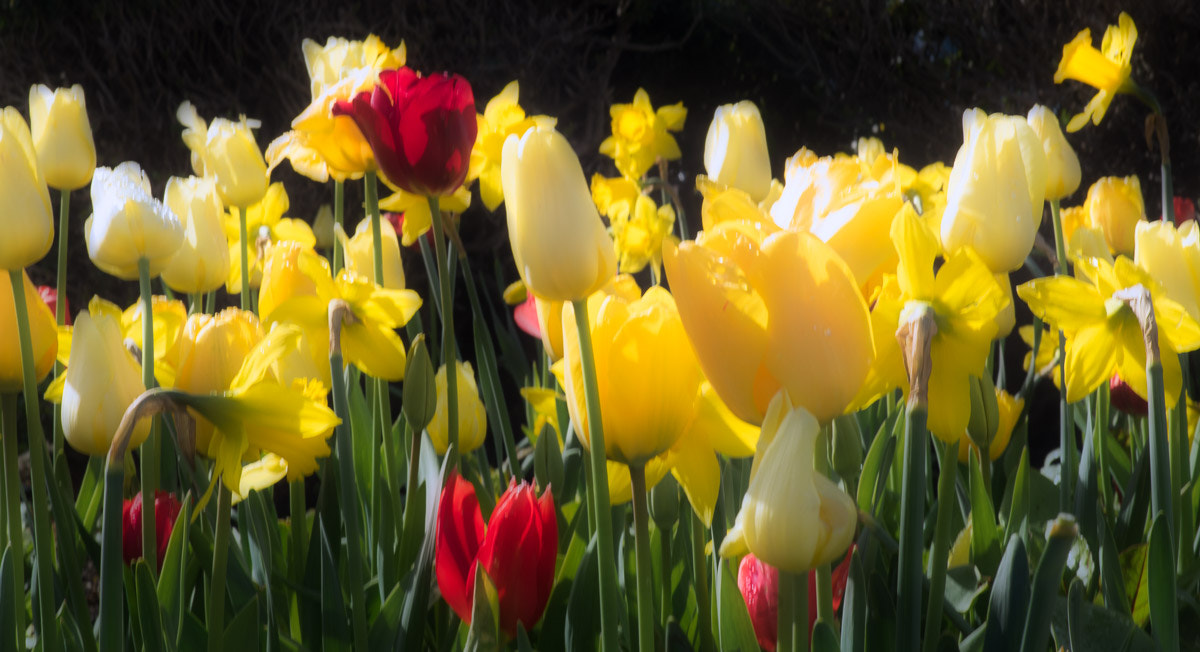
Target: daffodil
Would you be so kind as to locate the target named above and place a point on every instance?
(1046, 359)
(966, 301)
(641, 134)
(417, 218)
(1103, 334)
(638, 225)
(1107, 70)
(502, 117)
(168, 322)
(265, 224)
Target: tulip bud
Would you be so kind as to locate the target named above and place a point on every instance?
(1008, 410)
(1122, 397)
(560, 245)
(166, 512)
(28, 224)
(420, 386)
(664, 503)
(42, 328)
(735, 149)
(847, 446)
(322, 227)
(994, 197)
(226, 150)
(202, 262)
(129, 224)
(359, 253)
(102, 380)
(472, 418)
(1062, 165)
(984, 416)
(1115, 206)
(62, 136)
(759, 584)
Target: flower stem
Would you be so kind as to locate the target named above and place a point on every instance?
(645, 570)
(783, 635)
(1066, 420)
(938, 557)
(216, 595)
(299, 528)
(1160, 459)
(912, 517)
(149, 450)
(339, 211)
(824, 581)
(245, 246)
(450, 357)
(42, 538)
(703, 605)
(349, 501)
(12, 496)
(793, 634)
(371, 198)
(606, 561)
(60, 305)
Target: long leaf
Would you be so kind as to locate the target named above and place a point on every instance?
(149, 614)
(1010, 597)
(985, 535)
(733, 620)
(1045, 583)
(1160, 566)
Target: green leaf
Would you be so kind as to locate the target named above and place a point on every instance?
(876, 466)
(171, 588)
(1097, 628)
(1046, 581)
(1086, 493)
(823, 639)
(548, 462)
(1018, 508)
(1133, 571)
(1010, 596)
(362, 438)
(243, 630)
(335, 630)
(1111, 581)
(985, 536)
(854, 606)
(963, 587)
(583, 615)
(1160, 569)
(8, 610)
(1075, 614)
(387, 621)
(147, 605)
(417, 584)
(733, 620)
(484, 633)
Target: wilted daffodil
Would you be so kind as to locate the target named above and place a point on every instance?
(41, 328)
(1103, 334)
(1115, 207)
(1062, 165)
(1107, 70)
(28, 221)
(1172, 257)
(735, 149)
(62, 136)
(501, 118)
(359, 252)
(201, 264)
(417, 217)
(472, 418)
(966, 301)
(265, 224)
(770, 311)
(641, 134)
(792, 517)
(129, 224)
(226, 150)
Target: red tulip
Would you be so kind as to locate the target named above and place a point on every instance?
(525, 314)
(50, 297)
(421, 129)
(1185, 209)
(1122, 397)
(759, 584)
(518, 551)
(166, 511)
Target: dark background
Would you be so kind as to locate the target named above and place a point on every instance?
(823, 73)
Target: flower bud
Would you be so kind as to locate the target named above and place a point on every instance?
(1062, 165)
(322, 227)
(735, 149)
(28, 224)
(41, 327)
(847, 446)
(62, 136)
(420, 386)
(472, 418)
(664, 503)
(359, 252)
(166, 512)
(1115, 206)
(102, 380)
(984, 411)
(129, 224)
(759, 585)
(202, 262)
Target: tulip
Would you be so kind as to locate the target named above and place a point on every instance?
(421, 129)
(472, 418)
(1172, 257)
(129, 224)
(265, 224)
(42, 328)
(1185, 210)
(769, 312)
(525, 316)
(322, 228)
(562, 250)
(759, 585)
(517, 551)
(549, 320)
(1115, 206)
(640, 135)
(226, 150)
(340, 58)
(102, 380)
(62, 136)
(29, 222)
(49, 296)
(735, 149)
(792, 517)
(996, 188)
(202, 262)
(166, 512)
(501, 118)
(1108, 71)
(1062, 165)
(359, 253)
(1008, 409)
(1125, 399)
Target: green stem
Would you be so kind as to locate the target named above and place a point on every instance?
(60, 305)
(112, 599)
(938, 557)
(664, 560)
(700, 584)
(339, 212)
(43, 542)
(216, 595)
(371, 197)
(245, 247)
(1103, 406)
(793, 612)
(12, 497)
(449, 356)
(1066, 421)
(349, 502)
(785, 607)
(299, 528)
(195, 303)
(824, 580)
(912, 516)
(645, 569)
(149, 449)
(1160, 458)
(606, 560)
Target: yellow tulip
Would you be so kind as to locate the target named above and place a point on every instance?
(359, 253)
(725, 204)
(226, 150)
(735, 149)
(1009, 408)
(322, 228)
(102, 380)
(472, 418)
(339, 58)
(1115, 206)
(995, 192)
(792, 517)
(1172, 257)
(28, 221)
(42, 328)
(1007, 319)
(1062, 165)
(549, 314)
(562, 250)
(501, 118)
(202, 262)
(128, 223)
(640, 135)
(62, 136)
(769, 312)
(1108, 71)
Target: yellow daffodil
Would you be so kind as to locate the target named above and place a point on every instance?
(259, 475)
(128, 224)
(1046, 362)
(62, 136)
(359, 253)
(1103, 334)
(1107, 70)
(641, 135)
(966, 301)
(1009, 408)
(417, 217)
(169, 318)
(1115, 207)
(472, 417)
(501, 118)
(1172, 257)
(265, 224)
(735, 149)
(227, 151)
(41, 328)
(201, 264)
(638, 225)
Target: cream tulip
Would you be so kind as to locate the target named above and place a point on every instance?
(1062, 165)
(472, 417)
(102, 380)
(202, 262)
(62, 136)
(28, 223)
(129, 224)
(226, 150)
(735, 149)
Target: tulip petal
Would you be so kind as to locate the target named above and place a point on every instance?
(460, 533)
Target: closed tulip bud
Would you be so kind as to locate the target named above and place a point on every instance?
(985, 417)
(472, 418)
(102, 380)
(759, 585)
(1062, 165)
(1115, 206)
(226, 150)
(41, 327)
(664, 503)
(128, 223)
(28, 224)
(322, 227)
(561, 247)
(420, 385)
(847, 453)
(166, 512)
(202, 262)
(792, 517)
(996, 188)
(62, 136)
(735, 149)
(359, 253)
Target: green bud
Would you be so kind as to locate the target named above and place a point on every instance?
(664, 502)
(420, 388)
(847, 450)
(548, 461)
(985, 414)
